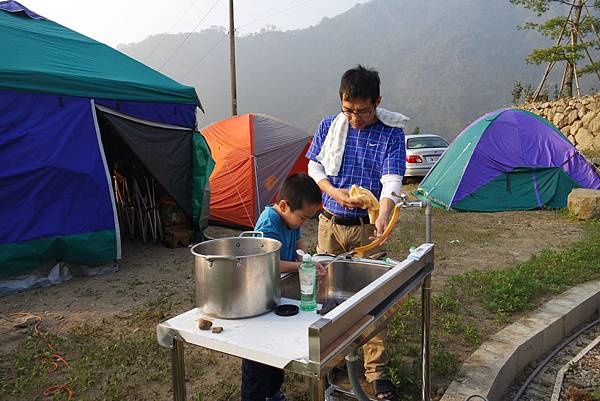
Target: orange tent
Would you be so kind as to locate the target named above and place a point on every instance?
(253, 154)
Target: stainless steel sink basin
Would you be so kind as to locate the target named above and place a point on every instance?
(344, 279)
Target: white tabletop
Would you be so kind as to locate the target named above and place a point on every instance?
(270, 339)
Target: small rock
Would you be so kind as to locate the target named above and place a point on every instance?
(204, 324)
(217, 329)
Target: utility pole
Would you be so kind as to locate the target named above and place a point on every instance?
(232, 60)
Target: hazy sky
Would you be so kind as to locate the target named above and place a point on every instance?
(115, 22)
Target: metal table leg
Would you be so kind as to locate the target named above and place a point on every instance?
(316, 388)
(178, 370)
(426, 338)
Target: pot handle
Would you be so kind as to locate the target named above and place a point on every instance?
(210, 259)
(252, 234)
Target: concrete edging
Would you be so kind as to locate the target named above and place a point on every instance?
(491, 369)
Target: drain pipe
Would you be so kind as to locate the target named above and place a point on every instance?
(352, 361)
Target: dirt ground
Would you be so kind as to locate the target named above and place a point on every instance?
(151, 274)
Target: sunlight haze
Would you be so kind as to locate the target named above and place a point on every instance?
(121, 22)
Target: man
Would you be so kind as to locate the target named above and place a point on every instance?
(363, 145)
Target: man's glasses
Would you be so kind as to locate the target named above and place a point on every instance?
(358, 113)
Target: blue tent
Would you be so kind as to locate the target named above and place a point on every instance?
(67, 103)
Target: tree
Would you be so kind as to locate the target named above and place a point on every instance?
(528, 93)
(517, 92)
(575, 33)
(416, 131)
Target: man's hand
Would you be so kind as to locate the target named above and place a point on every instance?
(380, 224)
(339, 195)
(342, 197)
(386, 206)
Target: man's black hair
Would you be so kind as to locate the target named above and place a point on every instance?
(299, 190)
(360, 83)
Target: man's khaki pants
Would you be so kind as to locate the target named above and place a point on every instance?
(335, 239)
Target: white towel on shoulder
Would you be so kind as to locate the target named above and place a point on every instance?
(332, 151)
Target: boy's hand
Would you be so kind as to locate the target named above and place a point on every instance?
(321, 271)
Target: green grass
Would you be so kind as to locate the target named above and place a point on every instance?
(102, 365)
(472, 306)
(550, 272)
(108, 362)
(596, 393)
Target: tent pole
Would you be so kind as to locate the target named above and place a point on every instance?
(232, 60)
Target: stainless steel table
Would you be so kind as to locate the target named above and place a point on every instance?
(307, 343)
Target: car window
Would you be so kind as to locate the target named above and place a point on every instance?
(426, 142)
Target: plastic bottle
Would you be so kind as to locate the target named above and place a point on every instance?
(308, 284)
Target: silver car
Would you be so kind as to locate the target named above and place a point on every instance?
(422, 152)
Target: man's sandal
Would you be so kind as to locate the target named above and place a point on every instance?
(278, 396)
(384, 389)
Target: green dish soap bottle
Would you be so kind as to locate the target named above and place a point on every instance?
(308, 284)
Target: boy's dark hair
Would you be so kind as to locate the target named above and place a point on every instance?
(360, 83)
(298, 190)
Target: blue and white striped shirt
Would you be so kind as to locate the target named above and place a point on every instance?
(369, 153)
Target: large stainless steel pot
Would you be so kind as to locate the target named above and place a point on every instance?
(237, 277)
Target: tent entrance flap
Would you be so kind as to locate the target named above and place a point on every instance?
(165, 152)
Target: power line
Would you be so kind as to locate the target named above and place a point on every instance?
(203, 57)
(188, 35)
(249, 23)
(276, 13)
(169, 31)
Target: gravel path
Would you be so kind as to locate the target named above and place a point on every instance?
(582, 380)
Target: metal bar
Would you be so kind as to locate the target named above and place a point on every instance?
(178, 370)
(316, 388)
(551, 64)
(543, 81)
(587, 52)
(426, 337)
(428, 234)
(232, 60)
(590, 15)
(564, 78)
(576, 79)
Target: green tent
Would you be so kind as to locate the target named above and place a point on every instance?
(509, 159)
(70, 107)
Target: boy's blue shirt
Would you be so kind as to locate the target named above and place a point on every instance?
(273, 226)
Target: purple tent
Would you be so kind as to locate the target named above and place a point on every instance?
(509, 159)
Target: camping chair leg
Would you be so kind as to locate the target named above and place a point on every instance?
(129, 209)
(155, 211)
(140, 209)
(149, 210)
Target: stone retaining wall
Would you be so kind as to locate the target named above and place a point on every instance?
(578, 118)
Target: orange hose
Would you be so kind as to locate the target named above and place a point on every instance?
(362, 250)
(66, 388)
(59, 389)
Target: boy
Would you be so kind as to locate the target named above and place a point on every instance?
(298, 200)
